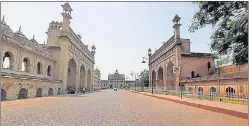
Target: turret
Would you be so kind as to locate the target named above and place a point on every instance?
(176, 26)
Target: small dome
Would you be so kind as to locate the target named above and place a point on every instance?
(33, 40)
(19, 36)
(6, 29)
(97, 70)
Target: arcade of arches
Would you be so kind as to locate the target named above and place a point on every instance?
(159, 76)
(85, 77)
(30, 69)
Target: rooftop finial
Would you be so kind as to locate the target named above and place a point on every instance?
(44, 42)
(3, 18)
(33, 36)
(20, 28)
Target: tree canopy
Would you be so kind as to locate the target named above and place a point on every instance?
(230, 23)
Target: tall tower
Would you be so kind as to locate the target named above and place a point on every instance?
(176, 26)
(66, 17)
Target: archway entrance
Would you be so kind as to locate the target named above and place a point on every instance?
(59, 91)
(23, 94)
(71, 76)
(88, 80)
(160, 77)
(39, 92)
(3, 95)
(82, 77)
(170, 80)
(50, 92)
(111, 86)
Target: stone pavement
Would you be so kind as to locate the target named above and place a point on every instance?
(237, 110)
(109, 108)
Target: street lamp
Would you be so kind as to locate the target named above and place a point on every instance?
(149, 55)
(132, 73)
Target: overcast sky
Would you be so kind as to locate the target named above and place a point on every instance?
(121, 31)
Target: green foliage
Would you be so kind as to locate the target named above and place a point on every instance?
(230, 21)
(144, 75)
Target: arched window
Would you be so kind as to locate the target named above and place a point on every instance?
(39, 68)
(49, 70)
(26, 64)
(8, 60)
(200, 91)
(192, 74)
(230, 92)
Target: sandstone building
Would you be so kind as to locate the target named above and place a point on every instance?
(116, 80)
(177, 52)
(30, 69)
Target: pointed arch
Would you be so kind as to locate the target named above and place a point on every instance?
(39, 92)
(39, 68)
(8, 60)
(26, 64)
(50, 92)
(23, 94)
(170, 79)
(71, 76)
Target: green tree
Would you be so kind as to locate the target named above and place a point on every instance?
(144, 75)
(230, 21)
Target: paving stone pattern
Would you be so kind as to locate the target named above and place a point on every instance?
(109, 108)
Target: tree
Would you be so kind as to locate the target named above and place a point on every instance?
(143, 76)
(230, 21)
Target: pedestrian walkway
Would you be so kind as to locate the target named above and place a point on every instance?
(225, 108)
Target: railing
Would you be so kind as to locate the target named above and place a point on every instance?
(228, 97)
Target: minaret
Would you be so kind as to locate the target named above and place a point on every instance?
(66, 17)
(176, 26)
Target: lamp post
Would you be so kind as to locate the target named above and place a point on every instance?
(149, 55)
(132, 73)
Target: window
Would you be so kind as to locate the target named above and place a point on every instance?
(49, 71)
(208, 66)
(192, 74)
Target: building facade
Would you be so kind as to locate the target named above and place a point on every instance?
(30, 69)
(229, 81)
(196, 71)
(96, 79)
(176, 52)
(116, 80)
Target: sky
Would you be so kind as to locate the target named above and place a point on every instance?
(121, 31)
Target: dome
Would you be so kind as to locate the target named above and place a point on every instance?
(6, 29)
(19, 36)
(97, 70)
(33, 40)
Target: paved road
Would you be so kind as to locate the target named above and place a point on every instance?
(109, 108)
